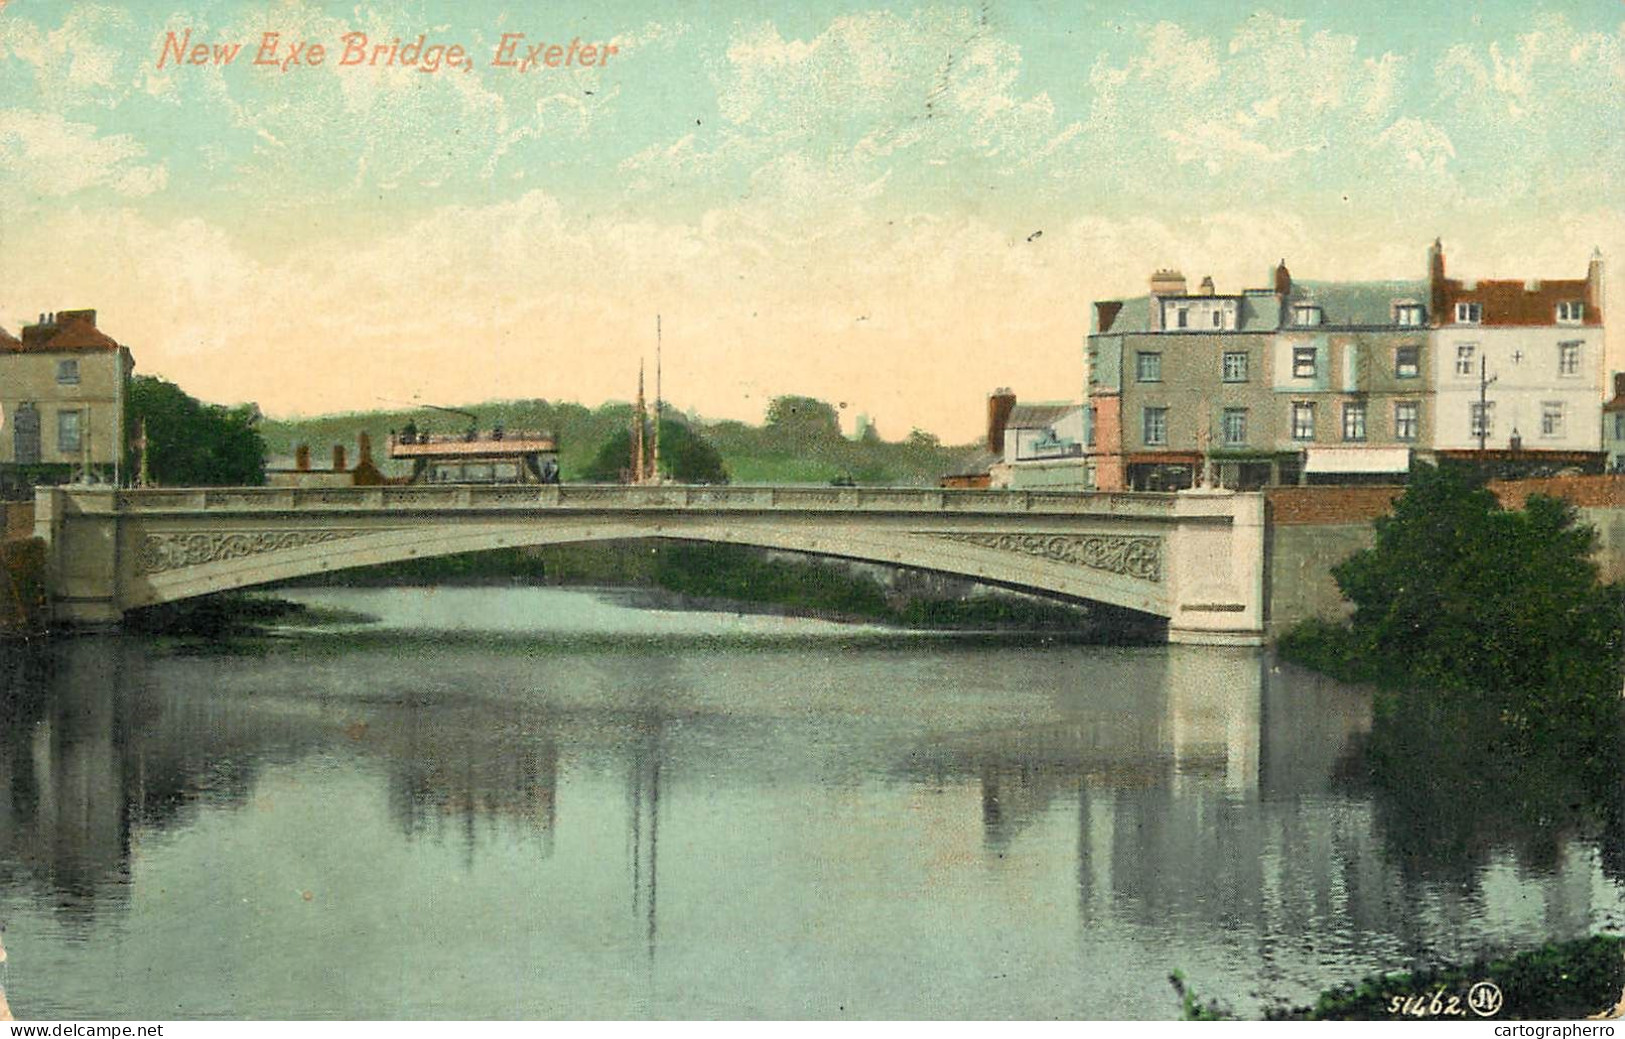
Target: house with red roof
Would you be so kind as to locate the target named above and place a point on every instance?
(63, 385)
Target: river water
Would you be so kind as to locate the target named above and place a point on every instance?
(522, 803)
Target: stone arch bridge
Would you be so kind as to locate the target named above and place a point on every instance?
(1195, 558)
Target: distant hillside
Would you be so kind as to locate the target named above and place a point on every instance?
(772, 453)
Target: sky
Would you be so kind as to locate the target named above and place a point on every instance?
(893, 208)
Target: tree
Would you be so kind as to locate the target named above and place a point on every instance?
(804, 418)
(1497, 611)
(685, 456)
(190, 443)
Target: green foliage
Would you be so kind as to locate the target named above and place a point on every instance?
(1191, 1007)
(1556, 982)
(1497, 611)
(716, 572)
(804, 418)
(685, 456)
(751, 454)
(192, 444)
(1497, 655)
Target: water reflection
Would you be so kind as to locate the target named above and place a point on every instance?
(807, 827)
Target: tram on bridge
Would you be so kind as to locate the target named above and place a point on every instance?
(489, 457)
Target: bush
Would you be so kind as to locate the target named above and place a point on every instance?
(1497, 612)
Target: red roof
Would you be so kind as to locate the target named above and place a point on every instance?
(69, 331)
(1517, 303)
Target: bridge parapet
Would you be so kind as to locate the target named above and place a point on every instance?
(605, 496)
(1194, 558)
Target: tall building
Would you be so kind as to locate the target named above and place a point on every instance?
(1341, 382)
(1519, 365)
(62, 393)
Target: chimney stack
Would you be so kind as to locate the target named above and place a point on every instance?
(364, 448)
(1619, 385)
(1167, 283)
(1282, 279)
(301, 458)
(999, 406)
(338, 458)
(1207, 288)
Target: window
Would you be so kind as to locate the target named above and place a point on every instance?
(67, 373)
(1303, 421)
(1306, 314)
(1469, 313)
(1407, 419)
(1619, 425)
(1235, 426)
(1089, 426)
(1407, 362)
(1465, 352)
(1412, 314)
(1148, 367)
(1354, 420)
(1483, 419)
(1551, 418)
(1235, 366)
(1183, 317)
(1218, 319)
(67, 432)
(1156, 427)
(1568, 359)
(1303, 362)
(1571, 312)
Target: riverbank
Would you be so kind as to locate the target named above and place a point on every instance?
(1560, 981)
(22, 571)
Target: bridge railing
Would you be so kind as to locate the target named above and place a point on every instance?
(601, 497)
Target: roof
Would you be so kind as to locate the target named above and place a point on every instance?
(1038, 416)
(1358, 303)
(1523, 303)
(1131, 315)
(974, 463)
(70, 331)
(9, 341)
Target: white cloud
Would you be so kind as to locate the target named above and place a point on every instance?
(1271, 93)
(1423, 146)
(45, 155)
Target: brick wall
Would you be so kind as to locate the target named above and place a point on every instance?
(1296, 506)
(1300, 506)
(19, 521)
(1586, 492)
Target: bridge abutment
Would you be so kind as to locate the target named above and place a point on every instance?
(1216, 572)
(81, 530)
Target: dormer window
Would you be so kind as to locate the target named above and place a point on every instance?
(1410, 314)
(1306, 314)
(1469, 313)
(1571, 312)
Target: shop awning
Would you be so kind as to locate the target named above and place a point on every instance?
(1358, 460)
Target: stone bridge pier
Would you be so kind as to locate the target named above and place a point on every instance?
(1195, 558)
